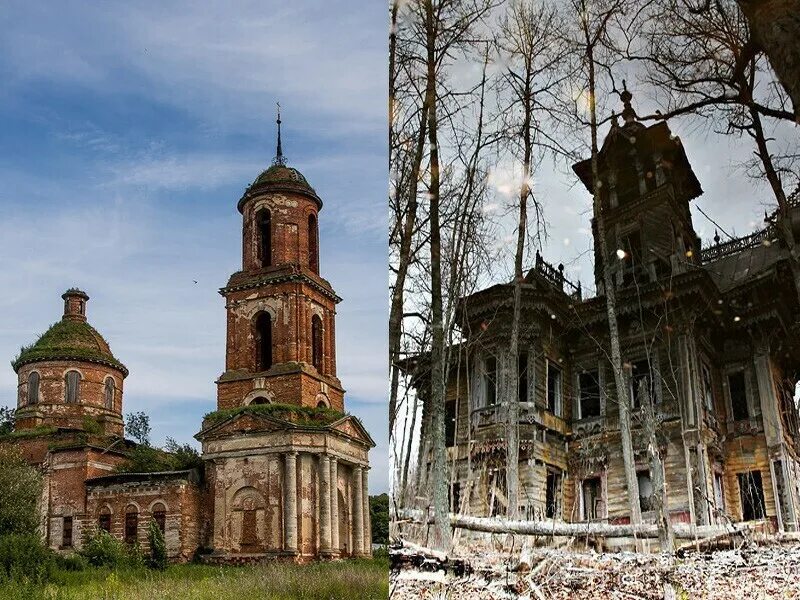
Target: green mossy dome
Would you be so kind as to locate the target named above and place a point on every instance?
(282, 174)
(69, 340)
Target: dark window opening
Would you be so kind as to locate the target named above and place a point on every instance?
(490, 380)
(33, 388)
(104, 522)
(264, 220)
(131, 526)
(259, 400)
(553, 389)
(66, 533)
(160, 517)
(316, 342)
(738, 392)
(450, 423)
(455, 497)
(313, 252)
(641, 383)
(321, 404)
(627, 186)
(751, 492)
(522, 382)
(552, 495)
(110, 388)
(72, 387)
(646, 497)
(264, 341)
(591, 493)
(589, 390)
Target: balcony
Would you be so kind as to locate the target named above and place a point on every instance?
(529, 413)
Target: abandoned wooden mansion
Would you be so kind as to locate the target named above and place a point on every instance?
(709, 334)
(285, 468)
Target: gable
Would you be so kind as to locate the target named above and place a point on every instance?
(352, 427)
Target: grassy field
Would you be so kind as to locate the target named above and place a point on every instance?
(345, 580)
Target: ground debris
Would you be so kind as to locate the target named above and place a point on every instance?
(763, 572)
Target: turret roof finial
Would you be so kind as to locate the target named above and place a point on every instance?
(628, 114)
(279, 159)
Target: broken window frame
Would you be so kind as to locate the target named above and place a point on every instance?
(635, 380)
(742, 402)
(450, 423)
(599, 496)
(556, 406)
(553, 493)
(586, 396)
(67, 532)
(523, 376)
(490, 380)
(646, 502)
(708, 386)
(751, 497)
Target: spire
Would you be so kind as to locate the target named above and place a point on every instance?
(628, 114)
(279, 159)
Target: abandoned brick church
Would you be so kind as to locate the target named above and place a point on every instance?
(285, 469)
(708, 332)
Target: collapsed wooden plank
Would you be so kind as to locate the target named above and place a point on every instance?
(547, 527)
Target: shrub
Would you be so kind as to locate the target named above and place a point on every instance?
(20, 492)
(24, 557)
(72, 562)
(158, 547)
(104, 550)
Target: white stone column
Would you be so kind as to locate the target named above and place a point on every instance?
(290, 503)
(324, 504)
(358, 511)
(334, 484)
(365, 508)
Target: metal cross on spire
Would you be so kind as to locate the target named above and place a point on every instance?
(279, 159)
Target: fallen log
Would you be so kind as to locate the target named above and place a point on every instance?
(547, 527)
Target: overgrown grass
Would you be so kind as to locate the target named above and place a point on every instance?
(343, 580)
(301, 415)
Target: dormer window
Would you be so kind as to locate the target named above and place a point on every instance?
(316, 342)
(313, 250)
(264, 224)
(263, 326)
(33, 388)
(110, 389)
(72, 380)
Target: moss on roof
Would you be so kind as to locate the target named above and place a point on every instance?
(299, 415)
(69, 340)
(282, 174)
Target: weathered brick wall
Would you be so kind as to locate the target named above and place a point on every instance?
(180, 496)
(51, 408)
(290, 212)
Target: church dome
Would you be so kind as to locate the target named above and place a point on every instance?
(72, 338)
(280, 178)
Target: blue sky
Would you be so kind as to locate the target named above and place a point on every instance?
(128, 133)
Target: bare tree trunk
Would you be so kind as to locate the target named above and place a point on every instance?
(623, 400)
(775, 27)
(442, 531)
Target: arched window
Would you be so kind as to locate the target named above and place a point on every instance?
(110, 389)
(33, 388)
(160, 516)
(131, 524)
(259, 400)
(313, 252)
(104, 520)
(316, 342)
(263, 341)
(72, 381)
(264, 221)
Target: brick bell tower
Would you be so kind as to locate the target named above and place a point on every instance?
(281, 313)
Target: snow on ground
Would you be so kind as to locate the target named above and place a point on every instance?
(764, 572)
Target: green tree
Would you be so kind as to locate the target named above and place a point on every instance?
(158, 547)
(137, 426)
(184, 456)
(379, 514)
(6, 420)
(20, 493)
